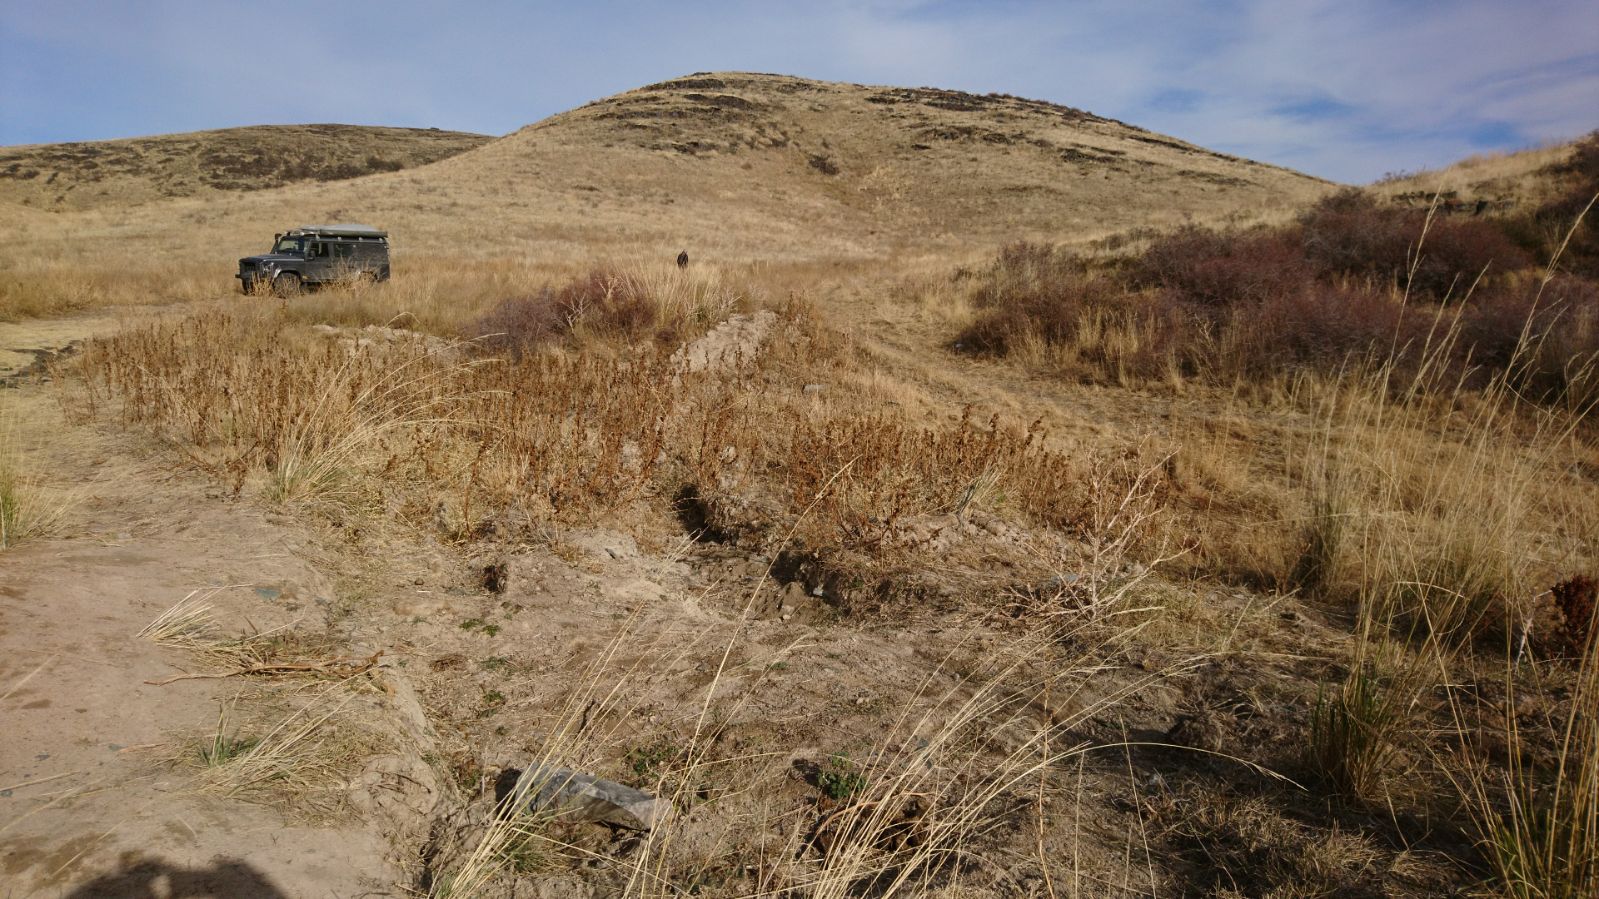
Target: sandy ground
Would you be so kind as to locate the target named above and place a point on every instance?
(92, 801)
(24, 343)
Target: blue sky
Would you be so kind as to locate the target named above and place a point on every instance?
(1345, 89)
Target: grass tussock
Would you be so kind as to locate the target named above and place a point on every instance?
(27, 510)
(1534, 802)
(297, 741)
(300, 759)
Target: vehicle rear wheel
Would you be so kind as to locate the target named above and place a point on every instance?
(286, 285)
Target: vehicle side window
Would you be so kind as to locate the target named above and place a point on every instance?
(314, 250)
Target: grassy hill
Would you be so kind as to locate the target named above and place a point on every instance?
(133, 171)
(773, 165)
(915, 163)
(754, 167)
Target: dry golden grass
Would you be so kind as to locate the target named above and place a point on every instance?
(1536, 813)
(1406, 501)
(285, 736)
(28, 509)
(298, 760)
(595, 428)
(913, 815)
(1517, 176)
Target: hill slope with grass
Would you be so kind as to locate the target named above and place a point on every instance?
(788, 162)
(1525, 178)
(131, 171)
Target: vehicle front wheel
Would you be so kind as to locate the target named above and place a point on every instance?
(286, 285)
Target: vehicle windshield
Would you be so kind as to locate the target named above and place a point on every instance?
(289, 245)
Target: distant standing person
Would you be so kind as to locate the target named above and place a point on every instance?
(682, 259)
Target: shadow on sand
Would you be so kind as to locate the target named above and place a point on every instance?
(145, 878)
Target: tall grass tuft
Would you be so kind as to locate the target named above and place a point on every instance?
(26, 511)
(1536, 813)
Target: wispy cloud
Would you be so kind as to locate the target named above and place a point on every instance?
(1346, 89)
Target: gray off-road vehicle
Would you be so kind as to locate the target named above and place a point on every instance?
(318, 254)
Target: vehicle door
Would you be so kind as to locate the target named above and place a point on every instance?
(344, 261)
(318, 260)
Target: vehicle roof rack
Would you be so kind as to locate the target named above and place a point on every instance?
(342, 230)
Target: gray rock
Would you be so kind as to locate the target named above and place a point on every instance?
(582, 797)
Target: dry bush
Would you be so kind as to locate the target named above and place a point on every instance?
(1457, 254)
(1210, 269)
(1574, 601)
(522, 323)
(1319, 327)
(626, 306)
(1032, 291)
(1546, 230)
(1543, 334)
(1350, 234)
(910, 511)
(1352, 282)
(240, 398)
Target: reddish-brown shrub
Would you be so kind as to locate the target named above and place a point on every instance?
(1542, 333)
(1352, 234)
(1216, 305)
(1546, 229)
(1023, 271)
(1210, 269)
(520, 323)
(1326, 324)
(1036, 291)
(607, 303)
(601, 302)
(1456, 252)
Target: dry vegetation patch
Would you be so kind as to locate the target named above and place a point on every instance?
(597, 417)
